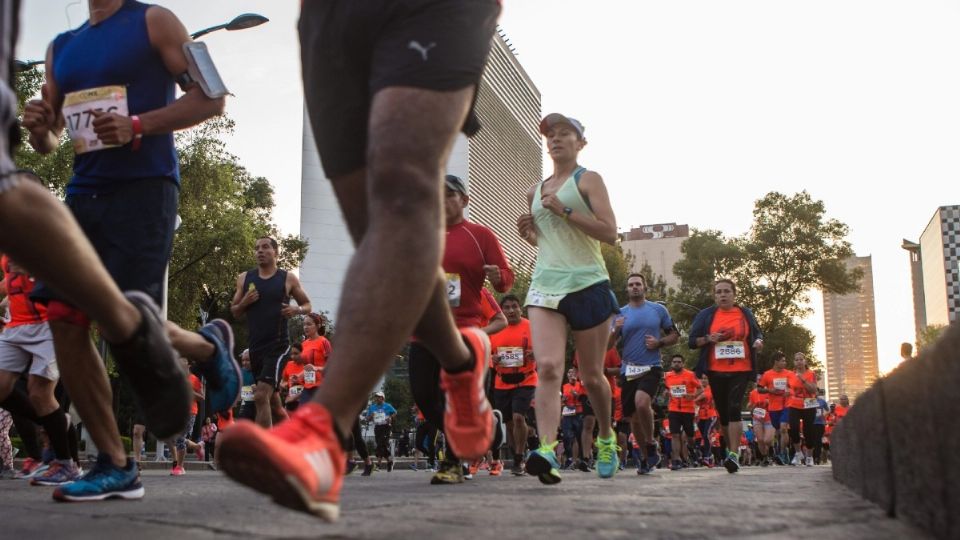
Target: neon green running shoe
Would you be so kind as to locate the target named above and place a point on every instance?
(543, 463)
(608, 458)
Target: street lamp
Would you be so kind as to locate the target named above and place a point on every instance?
(25, 65)
(240, 22)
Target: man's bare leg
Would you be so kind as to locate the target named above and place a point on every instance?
(404, 232)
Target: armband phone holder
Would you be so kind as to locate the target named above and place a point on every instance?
(200, 69)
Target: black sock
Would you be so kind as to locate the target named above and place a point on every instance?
(28, 435)
(73, 441)
(496, 453)
(55, 424)
(18, 404)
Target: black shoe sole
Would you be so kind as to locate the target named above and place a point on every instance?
(538, 466)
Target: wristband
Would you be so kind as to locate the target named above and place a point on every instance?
(137, 133)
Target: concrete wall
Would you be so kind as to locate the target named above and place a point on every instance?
(898, 445)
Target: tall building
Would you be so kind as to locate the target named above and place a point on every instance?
(935, 266)
(499, 164)
(851, 336)
(657, 245)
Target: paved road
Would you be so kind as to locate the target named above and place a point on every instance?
(780, 503)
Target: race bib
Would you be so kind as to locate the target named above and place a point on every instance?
(759, 413)
(309, 376)
(780, 384)
(539, 299)
(295, 390)
(678, 390)
(379, 418)
(729, 350)
(453, 290)
(568, 411)
(78, 109)
(246, 393)
(511, 357)
(811, 403)
(634, 371)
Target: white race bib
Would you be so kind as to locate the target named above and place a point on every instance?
(811, 403)
(309, 376)
(633, 371)
(379, 418)
(510, 357)
(780, 384)
(246, 393)
(729, 350)
(569, 411)
(295, 390)
(78, 109)
(759, 413)
(678, 390)
(453, 290)
(539, 299)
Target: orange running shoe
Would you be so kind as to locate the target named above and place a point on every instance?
(468, 418)
(299, 463)
(475, 466)
(496, 468)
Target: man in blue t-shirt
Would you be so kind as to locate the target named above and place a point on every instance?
(644, 328)
(382, 414)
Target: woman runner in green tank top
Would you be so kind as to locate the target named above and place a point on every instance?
(570, 215)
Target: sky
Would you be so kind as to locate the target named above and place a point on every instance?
(693, 110)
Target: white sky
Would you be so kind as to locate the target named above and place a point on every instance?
(693, 109)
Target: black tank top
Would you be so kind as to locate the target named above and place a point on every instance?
(265, 323)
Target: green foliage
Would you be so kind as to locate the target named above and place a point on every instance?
(928, 336)
(790, 338)
(396, 390)
(618, 267)
(56, 168)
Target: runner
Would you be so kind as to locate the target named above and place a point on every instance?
(316, 350)
(803, 405)
(729, 340)
(183, 441)
(248, 407)
(369, 86)
(122, 115)
(382, 414)
(841, 409)
(570, 215)
(644, 327)
(759, 405)
(775, 383)
(263, 297)
(684, 389)
(26, 344)
(706, 420)
(571, 415)
(819, 428)
(472, 255)
(516, 376)
(292, 382)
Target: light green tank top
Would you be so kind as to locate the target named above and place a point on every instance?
(568, 259)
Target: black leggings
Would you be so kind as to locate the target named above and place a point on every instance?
(425, 386)
(358, 443)
(728, 391)
(809, 428)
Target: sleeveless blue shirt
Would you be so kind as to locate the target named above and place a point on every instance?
(117, 52)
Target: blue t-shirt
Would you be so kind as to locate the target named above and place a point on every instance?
(647, 320)
(380, 412)
(821, 418)
(248, 378)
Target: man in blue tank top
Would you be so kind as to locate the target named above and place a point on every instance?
(263, 297)
(110, 83)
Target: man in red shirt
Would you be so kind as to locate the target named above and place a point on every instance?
(516, 375)
(472, 256)
(775, 384)
(571, 412)
(684, 388)
(706, 420)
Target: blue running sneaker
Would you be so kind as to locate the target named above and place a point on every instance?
(104, 481)
(608, 457)
(543, 463)
(653, 457)
(221, 371)
(732, 463)
(60, 472)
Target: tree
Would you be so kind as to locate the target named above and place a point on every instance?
(55, 168)
(928, 336)
(396, 391)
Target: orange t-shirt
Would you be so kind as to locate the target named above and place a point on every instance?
(512, 353)
(840, 411)
(617, 393)
(734, 349)
(571, 397)
(197, 387)
(776, 381)
(797, 391)
(18, 288)
(612, 360)
(224, 420)
(682, 386)
(707, 408)
(315, 352)
(666, 429)
(293, 376)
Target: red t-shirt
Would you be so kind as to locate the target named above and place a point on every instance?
(197, 387)
(469, 246)
(19, 286)
(682, 386)
(778, 385)
(315, 352)
(707, 408)
(617, 393)
(798, 392)
(293, 376)
(734, 347)
(840, 411)
(512, 354)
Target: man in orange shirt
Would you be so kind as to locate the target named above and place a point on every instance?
(684, 388)
(775, 384)
(759, 404)
(516, 376)
(570, 414)
(706, 420)
(803, 406)
(842, 407)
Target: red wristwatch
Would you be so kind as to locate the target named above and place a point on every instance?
(137, 133)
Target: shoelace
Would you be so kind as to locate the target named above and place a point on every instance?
(606, 451)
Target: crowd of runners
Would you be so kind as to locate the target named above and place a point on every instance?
(387, 88)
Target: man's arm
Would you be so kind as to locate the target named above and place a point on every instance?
(298, 294)
(496, 324)
(43, 117)
(241, 301)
